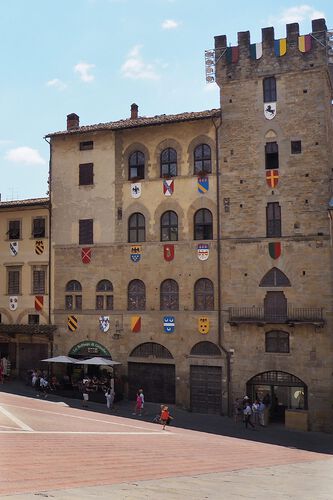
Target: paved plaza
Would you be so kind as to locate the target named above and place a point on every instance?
(58, 450)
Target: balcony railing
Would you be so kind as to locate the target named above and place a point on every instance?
(290, 315)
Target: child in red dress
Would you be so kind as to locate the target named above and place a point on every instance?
(165, 416)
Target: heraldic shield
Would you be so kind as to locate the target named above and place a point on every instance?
(136, 253)
(39, 247)
(203, 325)
(169, 324)
(13, 302)
(274, 249)
(168, 187)
(135, 324)
(86, 255)
(39, 302)
(104, 323)
(203, 251)
(270, 110)
(72, 323)
(136, 189)
(13, 248)
(169, 252)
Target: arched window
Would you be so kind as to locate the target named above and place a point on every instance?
(204, 295)
(151, 349)
(277, 341)
(202, 159)
(275, 277)
(73, 297)
(203, 224)
(136, 296)
(169, 163)
(169, 296)
(269, 89)
(136, 165)
(205, 349)
(169, 226)
(104, 295)
(136, 228)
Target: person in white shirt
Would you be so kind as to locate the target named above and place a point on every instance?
(247, 415)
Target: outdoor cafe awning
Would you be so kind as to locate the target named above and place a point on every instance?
(60, 359)
(91, 361)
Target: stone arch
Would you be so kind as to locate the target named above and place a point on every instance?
(205, 348)
(167, 143)
(136, 146)
(194, 207)
(270, 135)
(9, 317)
(275, 278)
(163, 207)
(151, 349)
(137, 207)
(25, 312)
(200, 139)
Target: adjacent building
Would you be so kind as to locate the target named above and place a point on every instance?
(25, 331)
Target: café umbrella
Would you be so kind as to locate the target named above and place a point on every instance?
(60, 359)
(98, 361)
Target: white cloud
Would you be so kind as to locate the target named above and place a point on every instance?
(84, 71)
(170, 24)
(134, 67)
(56, 83)
(25, 155)
(300, 13)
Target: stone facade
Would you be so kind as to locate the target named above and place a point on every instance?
(303, 113)
(109, 202)
(25, 333)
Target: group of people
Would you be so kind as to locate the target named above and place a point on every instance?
(94, 384)
(252, 414)
(42, 383)
(164, 417)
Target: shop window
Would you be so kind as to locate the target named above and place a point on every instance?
(169, 226)
(203, 224)
(204, 295)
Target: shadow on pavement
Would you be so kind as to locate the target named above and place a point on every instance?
(214, 424)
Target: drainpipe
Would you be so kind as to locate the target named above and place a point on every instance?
(217, 124)
(50, 240)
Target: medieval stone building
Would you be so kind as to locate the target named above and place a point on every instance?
(276, 168)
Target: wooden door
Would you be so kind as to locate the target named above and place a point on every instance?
(275, 307)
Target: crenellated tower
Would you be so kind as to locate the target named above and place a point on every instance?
(276, 164)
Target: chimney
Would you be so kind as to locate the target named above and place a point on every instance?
(134, 111)
(73, 121)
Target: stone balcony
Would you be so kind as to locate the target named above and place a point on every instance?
(291, 315)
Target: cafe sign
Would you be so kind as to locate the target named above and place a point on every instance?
(89, 347)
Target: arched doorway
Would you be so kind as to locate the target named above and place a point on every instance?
(279, 391)
(151, 366)
(205, 378)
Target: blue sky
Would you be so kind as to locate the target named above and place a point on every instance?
(96, 57)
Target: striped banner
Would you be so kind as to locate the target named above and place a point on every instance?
(72, 323)
(232, 54)
(39, 302)
(136, 323)
(305, 43)
(256, 50)
(280, 47)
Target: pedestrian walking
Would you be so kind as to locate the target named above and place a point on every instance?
(165, 417)
(138, 405)
(43, 384)
(109, 398)
(247, 415)
(261, 411)
(255, 412)
(142, 398)
(85, 395)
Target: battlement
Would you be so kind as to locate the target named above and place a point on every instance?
(279, 52)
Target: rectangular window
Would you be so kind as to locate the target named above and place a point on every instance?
(269, 88)
(33, 319)
(99, 302)
(86, 174)
(39, 280)
(271, 155)
(273, 220)
(38, 227)
(78, 302)
(14, 230)
(13, 280)
(86, 232)
(296, 147)
(69, 302)
(86, 145)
